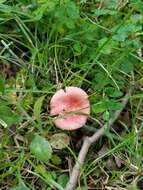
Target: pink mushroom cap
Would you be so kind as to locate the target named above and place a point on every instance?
(70, 107)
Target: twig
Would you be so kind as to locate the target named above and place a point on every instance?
(88, 141)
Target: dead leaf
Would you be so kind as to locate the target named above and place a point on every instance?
(59, 140)
(118, 161)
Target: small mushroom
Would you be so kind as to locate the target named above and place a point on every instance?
(70, 108)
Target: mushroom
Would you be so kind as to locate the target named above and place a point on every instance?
(70, 108)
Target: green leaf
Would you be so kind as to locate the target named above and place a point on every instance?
(100, 80)
(113, 92)
(42, 170)
(63, 179)
(107, 49)
(113, 105)
(27, 100)
(69, 23)
(41, 148)
(77, 47)
(128, 63)
(106, 115)
(42, 8)
(37, 107)
(120, 37)
(137, 18)
(2, 1)
(21, 186)
(128, 28)
(72, 11)
(56, 160)
(49, 176)
(7, 116)
(106, 105)
(99, 12)
(127, 68)
(134, 43)
(99, 107)
(137, 5)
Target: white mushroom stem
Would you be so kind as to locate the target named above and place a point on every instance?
(88, 141)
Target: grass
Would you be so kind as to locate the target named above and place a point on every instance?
(46, 45)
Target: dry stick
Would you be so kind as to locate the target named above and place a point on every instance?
(88, 141)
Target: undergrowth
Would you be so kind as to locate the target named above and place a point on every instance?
(46, 45)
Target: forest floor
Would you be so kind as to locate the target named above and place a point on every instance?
(46, 45)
